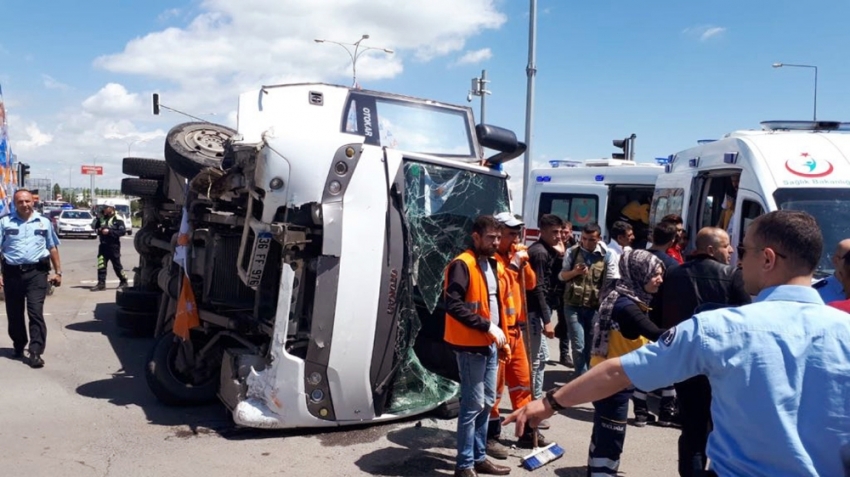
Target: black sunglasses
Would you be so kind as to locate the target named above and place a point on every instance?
(742, 250)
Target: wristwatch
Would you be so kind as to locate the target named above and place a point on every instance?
(58, 273)
(553, 403)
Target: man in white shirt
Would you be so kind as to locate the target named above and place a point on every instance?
(622, 236)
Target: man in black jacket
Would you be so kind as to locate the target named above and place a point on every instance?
(542, 256)
(110, 229)
(705, 281)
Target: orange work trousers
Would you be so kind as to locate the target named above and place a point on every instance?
(514, 371)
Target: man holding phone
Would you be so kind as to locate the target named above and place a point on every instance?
(585, 269)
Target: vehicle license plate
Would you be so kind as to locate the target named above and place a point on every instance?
(258, 258)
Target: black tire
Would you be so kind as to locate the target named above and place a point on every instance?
(190, 147)
(137, 323)
(146, 301)
(144, 168)
(138, 240)
(448, 409)
(141, 187)
(169, 388)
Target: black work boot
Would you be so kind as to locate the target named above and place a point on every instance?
(123, 284)
(100, 286)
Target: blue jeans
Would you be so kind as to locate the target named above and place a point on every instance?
(581, 332)
(609, 434)
(539, 350)
(477, 395)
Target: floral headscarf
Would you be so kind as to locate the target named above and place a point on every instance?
(636, 269)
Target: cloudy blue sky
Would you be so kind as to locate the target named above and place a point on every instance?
(77, 76)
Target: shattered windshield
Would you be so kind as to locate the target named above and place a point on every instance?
(410, 126)
(440, 204)
(831, 209)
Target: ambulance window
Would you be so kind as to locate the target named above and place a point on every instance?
(717, 203)
(749, 211)
(580, 209)
(666, 202)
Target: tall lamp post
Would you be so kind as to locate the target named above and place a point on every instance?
(780, 65)
(531, 72)
(356, 53)
(130, 145)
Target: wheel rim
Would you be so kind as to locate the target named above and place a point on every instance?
(208, 142)
(179, 377)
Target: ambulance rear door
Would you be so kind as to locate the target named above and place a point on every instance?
(581, 204)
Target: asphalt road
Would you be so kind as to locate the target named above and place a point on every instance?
(88, 412)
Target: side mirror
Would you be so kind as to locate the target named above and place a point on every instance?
(494, 137)
(499, 139)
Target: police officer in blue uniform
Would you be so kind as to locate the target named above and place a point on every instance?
(110, 229)
(777, 367)
(28, 245)
(830, 288)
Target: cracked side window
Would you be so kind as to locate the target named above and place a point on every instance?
(440, 204)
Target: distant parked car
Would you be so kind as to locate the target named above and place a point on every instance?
(76, 223)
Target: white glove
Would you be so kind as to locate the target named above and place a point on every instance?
(497, 335)
(520, 257)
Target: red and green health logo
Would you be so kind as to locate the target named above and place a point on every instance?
(808, 166)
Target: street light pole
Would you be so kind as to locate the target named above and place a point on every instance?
(531, 72)
(356, 54)
(130, 144)
(780, 65)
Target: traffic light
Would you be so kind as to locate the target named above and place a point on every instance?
(23, 173)
(628, 147)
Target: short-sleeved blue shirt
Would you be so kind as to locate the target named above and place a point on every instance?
(26, 242)
(830, 289)
(780, 379)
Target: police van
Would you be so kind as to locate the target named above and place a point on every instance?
(797, 165)
(594, 190)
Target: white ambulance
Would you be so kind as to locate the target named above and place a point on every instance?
(798, 165)
(595, 190)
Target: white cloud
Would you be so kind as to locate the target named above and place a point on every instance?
(113, 100)
(169, 14)
(51, 83)
(35, 138)
(704, 32)
(249, 42)
(474, 57)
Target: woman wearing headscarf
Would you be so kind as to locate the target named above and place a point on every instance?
(621, 325)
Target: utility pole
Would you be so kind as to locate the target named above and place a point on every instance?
(479, 89)
(531, 72)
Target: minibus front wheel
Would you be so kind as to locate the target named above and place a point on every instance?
(174, 387)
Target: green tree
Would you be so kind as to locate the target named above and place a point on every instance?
(57, 191)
